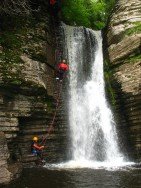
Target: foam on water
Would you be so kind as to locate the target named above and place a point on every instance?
(117, 165)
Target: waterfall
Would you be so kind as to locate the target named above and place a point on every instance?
(91, 121)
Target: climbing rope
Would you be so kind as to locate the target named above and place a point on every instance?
(44, 139)
(51, 127)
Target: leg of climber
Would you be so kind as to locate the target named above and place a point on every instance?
(60, 75)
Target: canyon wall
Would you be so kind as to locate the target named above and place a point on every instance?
(28, 94)
(124, 70)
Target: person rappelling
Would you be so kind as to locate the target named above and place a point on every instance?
(55, 7)
(62, 69)
(52, 2)
(36, 149)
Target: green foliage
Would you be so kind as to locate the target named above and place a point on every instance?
(10, 67)
(16, 40)
(10, 61)
(88, 13)
(97, 14)
(134, 30)
(9, 40)
(108, 79)
(133, 59)
(75, 12)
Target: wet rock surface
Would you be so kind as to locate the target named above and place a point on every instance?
(28, 96)
(124, 47)
(5, 174)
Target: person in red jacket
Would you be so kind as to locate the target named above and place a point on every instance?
(55, 7)
(62, 68)
(36, 149)
(52, 2)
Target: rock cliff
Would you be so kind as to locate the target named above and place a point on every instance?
(4, 155)
(124, 50)
(28, 93)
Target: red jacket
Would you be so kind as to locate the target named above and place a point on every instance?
(36, 146)
(63, 66)
(52, 2)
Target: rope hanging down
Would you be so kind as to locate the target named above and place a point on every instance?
(44, 139)
(55, 113)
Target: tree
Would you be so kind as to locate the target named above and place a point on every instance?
(75, 12)
(88, 13)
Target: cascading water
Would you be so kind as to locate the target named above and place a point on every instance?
(91, 121)
(93, 135)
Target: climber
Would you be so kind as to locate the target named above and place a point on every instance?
(36, 149)
(55, 7)
(62, 68)
(52, 2)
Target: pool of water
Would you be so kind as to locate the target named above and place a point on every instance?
(45, 177)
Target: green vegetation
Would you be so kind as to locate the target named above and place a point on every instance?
(108, 74)
(133, 59)
(109, 88)
(10, 57)
(88, 13)
(16, 40)
(135, 29)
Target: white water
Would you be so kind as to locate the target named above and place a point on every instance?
(93, 134)
(91, 121)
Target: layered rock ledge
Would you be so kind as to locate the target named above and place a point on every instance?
(28, 94)
(124, 49)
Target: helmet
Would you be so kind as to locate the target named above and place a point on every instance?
(35, 138)
(64, 61)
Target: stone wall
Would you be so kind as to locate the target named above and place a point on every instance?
(124, 51)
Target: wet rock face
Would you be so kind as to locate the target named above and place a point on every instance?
(8, 170)
(25, 100)
(5, 174)
(124, 47)
(26, 104)
(125, 17)
(25, 111)
(28, 94)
